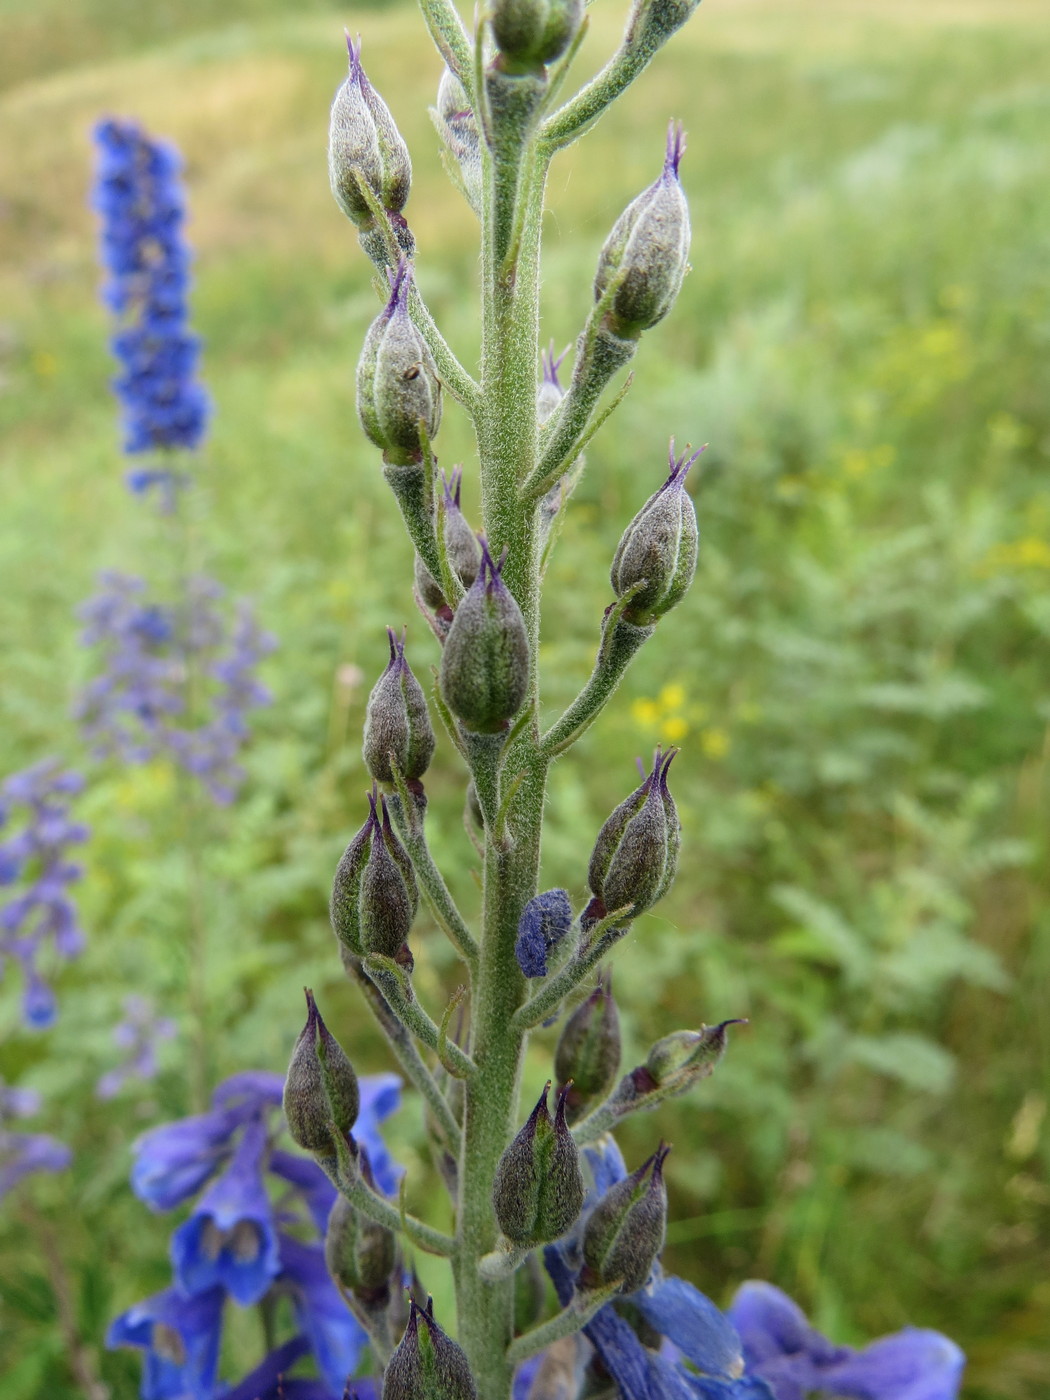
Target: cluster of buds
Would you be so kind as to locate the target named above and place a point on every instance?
(538, 1190)
(374, 894)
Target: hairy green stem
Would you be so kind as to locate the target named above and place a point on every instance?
(396, 987)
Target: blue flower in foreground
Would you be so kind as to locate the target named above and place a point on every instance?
(337, 1340)
(139, 198)
(781, 1346)
(180, 1337)
(230, 1239)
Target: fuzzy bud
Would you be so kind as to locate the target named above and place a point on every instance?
(457, 126)
(461, 546)
(658, 549)
(485, 664)
(374, 894)
(636, 854)
(625, 1232)
(685, 1056)
(320, 1088)
(538, 1190)
(366, 148)
(361, 1255)
(397, 721)
(397, 383)
(532, 33)
(427, 1364)
(647, 252)
(545, 921)
(588, 1052)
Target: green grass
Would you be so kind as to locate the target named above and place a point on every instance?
(858, 677)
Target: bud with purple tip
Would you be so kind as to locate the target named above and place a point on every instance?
(658, 549)
(457, 125)
(427, 1364)
(365, 148)
(397, 384)
(533, 33)
(685, 1056)
(374, 894)
(625, 1232)
(538, 1190)
(588, 1053)
(320, 1088)
(636, 854)
(397, 722)
(461, 546)
(485, 665)
(646, 255)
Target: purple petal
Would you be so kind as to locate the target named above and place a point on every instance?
(174, 1161)
(181, 1339)
(336, 1339)
(914, 1364)
(698, 1328)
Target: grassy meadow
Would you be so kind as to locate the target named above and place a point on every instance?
(858, 678)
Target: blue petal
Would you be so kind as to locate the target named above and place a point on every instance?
(307, 1177)
(181, 1339)
(913, 1364)
(698, 1328)
(174, 1161)
(267, 1381)
(336, 1339)
(380, 1097)
(771, 1324)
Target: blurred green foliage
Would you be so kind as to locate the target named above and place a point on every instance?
(858, 678)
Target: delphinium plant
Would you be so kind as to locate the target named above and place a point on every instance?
(553, 1188)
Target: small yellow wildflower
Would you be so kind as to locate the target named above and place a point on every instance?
(714, 742)
(673, 729)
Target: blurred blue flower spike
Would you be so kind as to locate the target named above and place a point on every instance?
(781, 1346)
(180, 1336)
(140, 201)
(230, 1240)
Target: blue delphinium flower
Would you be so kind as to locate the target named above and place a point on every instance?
(152, 655)
(235, 1241)
(181, 1337)
(41, 912)
(22, 1154)
(137, 1035)
(796, 1360)
(139, 197)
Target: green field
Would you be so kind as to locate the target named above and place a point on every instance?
(859, 677)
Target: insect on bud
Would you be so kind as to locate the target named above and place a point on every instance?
(646, 254)
(538, 1190)
(532, 33)
(361, 1254)
(485, 664)
(636, 854)
(366, 148)
(588, 1052)
(397, 721)
(545, 921)
(658, 549)
(625, 1232)
(457, 126)
(374, 894)
(427, 1364)
(397, 384)
(320, 1088)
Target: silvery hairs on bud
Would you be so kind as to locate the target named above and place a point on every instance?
(397, 382)
(320, 1088)
(657, 552)
(398, 730)
(485, 664)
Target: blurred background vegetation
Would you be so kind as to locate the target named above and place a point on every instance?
(858, 678)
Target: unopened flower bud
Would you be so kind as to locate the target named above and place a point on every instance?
(397, 722)
(550, 393)
(588, 1051)
(646, 254)
(532, 33)
(636, 853)
(688, 1055)
(366, 148)
(374, 894)
(461, 546)
(458, 127)
(397, 383)
(427, 1364)
(545, 921)
(625, 1232)
(320, 1088)
(658, 549)
(360, 1253)
(538, 1190)
(485, 664)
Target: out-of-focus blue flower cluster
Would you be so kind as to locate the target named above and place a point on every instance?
(139, 198)
(762, 1349)
(238, 1243)
(138, 1036)
(36, 858)
(175, 679)
(22, 1154)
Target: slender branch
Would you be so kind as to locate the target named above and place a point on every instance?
(620, 642)
(370, 1203)
(564, 1324)
(450, 39)
(604, 936)
(534, 489)
(408, 1057)
(396, 987)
